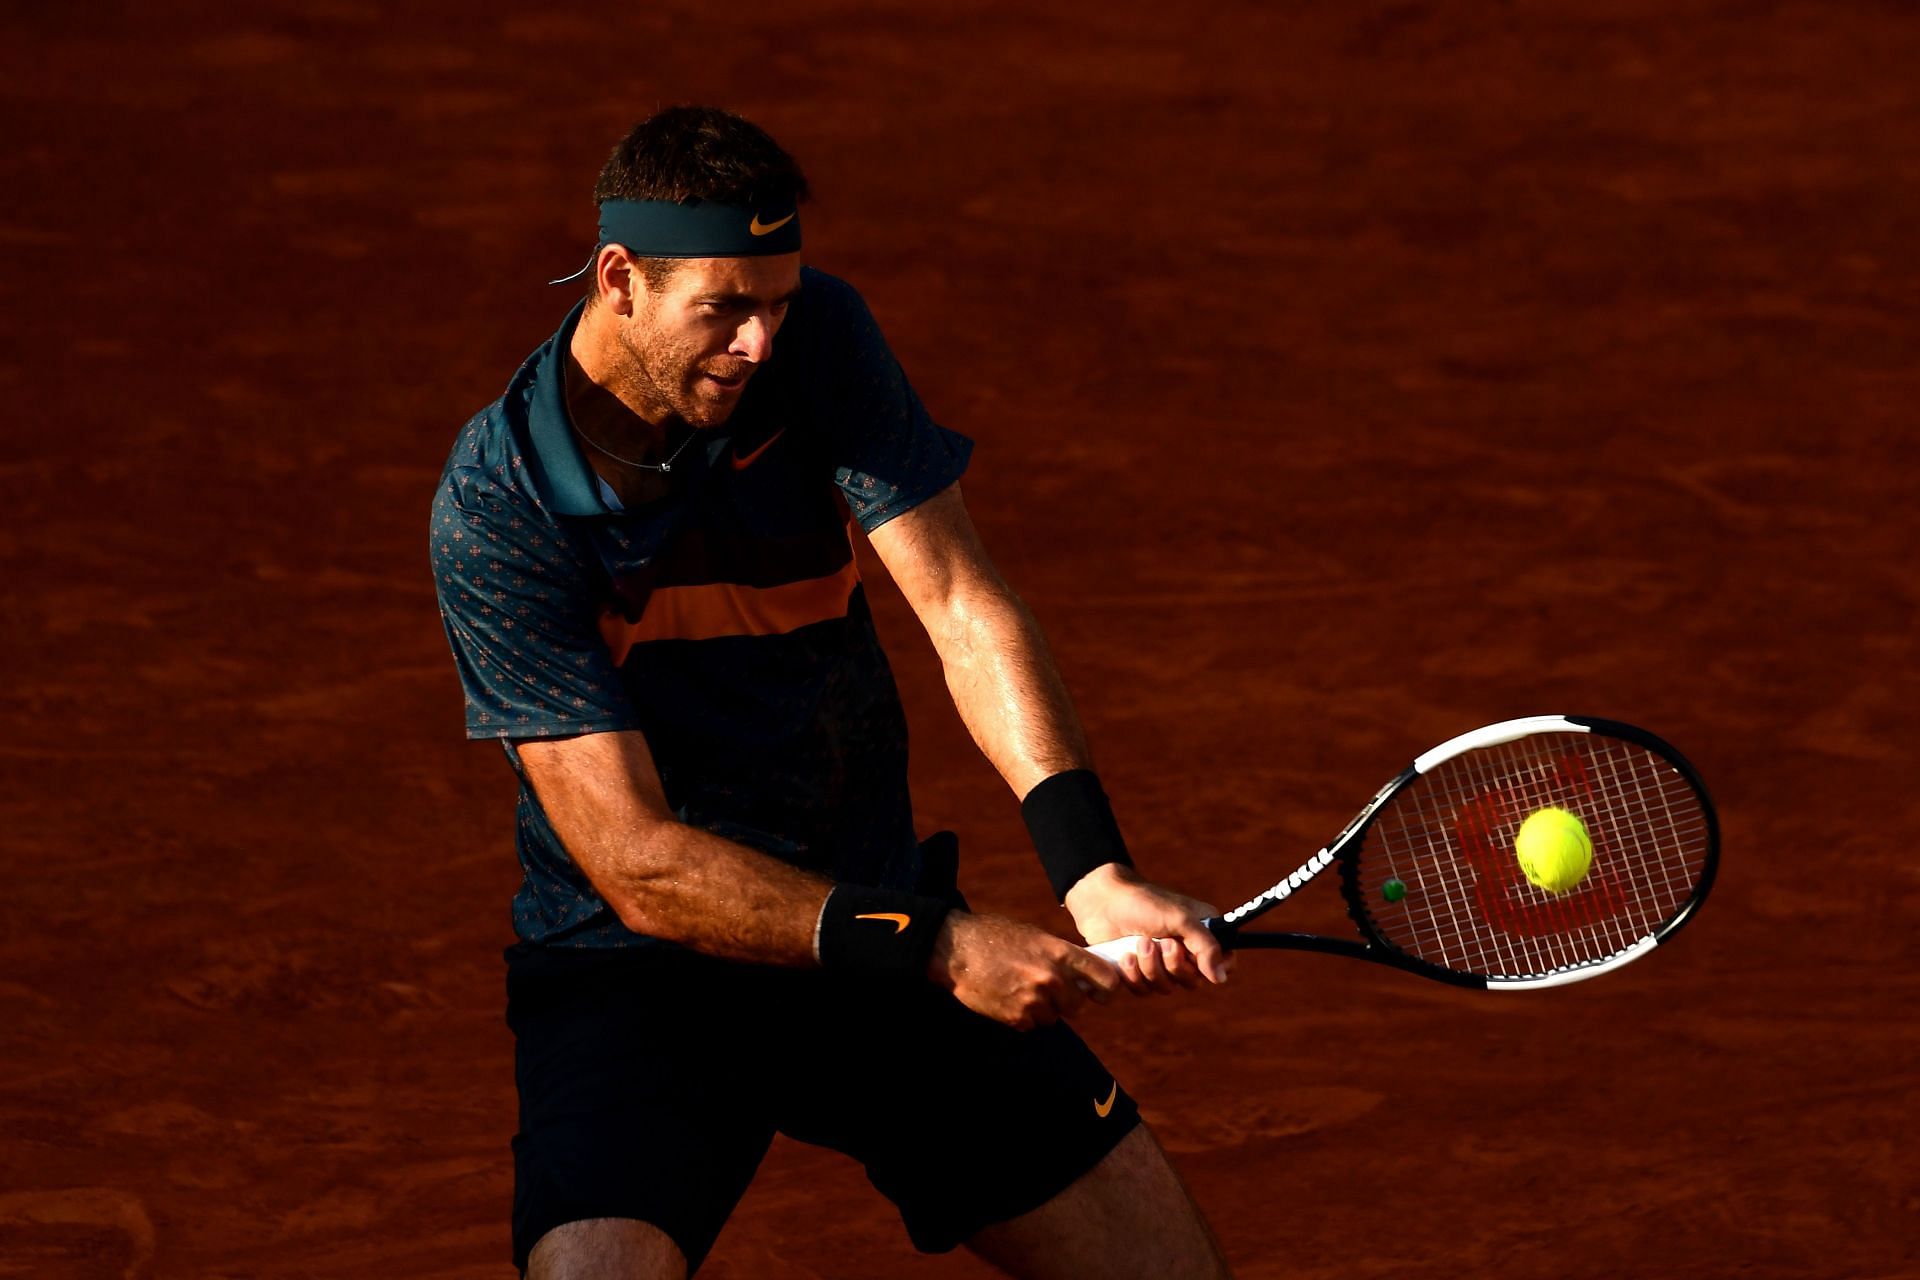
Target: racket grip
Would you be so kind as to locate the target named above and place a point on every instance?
(1114, 948)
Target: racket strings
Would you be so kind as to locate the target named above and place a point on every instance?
(1448, 838)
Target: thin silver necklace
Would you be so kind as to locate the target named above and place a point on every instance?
(662, 467)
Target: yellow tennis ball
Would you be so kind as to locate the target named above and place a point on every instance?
(1554, 849)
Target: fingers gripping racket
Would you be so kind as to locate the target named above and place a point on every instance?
(1432, 878)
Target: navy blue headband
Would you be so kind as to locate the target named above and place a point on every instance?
(705, 229)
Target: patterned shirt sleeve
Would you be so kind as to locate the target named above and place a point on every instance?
(519, 609)
(889, 454)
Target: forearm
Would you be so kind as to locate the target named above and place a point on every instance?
(662, 877)
(1011, 695)
(666, 879)
(1008, 689)
(686, 885)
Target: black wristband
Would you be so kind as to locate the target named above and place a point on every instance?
(878, 930)
(1073, 828)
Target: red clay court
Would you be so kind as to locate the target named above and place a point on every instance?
(1342, 378)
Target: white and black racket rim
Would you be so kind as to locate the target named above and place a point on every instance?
(1429, 873)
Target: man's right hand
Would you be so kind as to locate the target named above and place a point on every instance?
(1015, 973)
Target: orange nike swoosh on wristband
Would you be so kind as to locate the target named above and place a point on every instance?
(1101, 1108)
(900, 922)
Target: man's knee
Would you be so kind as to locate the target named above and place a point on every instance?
(606, 1249)
(1129, 1215)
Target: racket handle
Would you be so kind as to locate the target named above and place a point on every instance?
(1114, 948)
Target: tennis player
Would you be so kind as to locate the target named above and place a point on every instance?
(726, 925)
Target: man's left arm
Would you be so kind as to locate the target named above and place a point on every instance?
(1010, 694)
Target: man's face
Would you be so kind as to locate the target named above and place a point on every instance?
(697, 339)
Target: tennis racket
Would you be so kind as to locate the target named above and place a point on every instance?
(1430, 877)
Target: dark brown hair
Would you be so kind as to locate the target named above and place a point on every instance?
(699, 153)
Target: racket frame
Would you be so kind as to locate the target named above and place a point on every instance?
(1345, 849)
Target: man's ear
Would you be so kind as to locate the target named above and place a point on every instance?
(619, 278)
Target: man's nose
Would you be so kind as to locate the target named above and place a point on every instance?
(753, 340)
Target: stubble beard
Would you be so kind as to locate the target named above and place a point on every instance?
(661, 380)
(645, 390)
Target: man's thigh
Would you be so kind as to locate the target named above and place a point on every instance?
(633, 1106)
(960, 1121)
(1130, 1216)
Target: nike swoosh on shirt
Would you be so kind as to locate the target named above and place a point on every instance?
(741, 464)
(1101, 1108)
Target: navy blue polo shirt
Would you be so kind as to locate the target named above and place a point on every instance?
(726, 622)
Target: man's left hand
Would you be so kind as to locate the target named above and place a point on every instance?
(1175, 948)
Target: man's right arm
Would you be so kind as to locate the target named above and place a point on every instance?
(659, 875)
(669, 880)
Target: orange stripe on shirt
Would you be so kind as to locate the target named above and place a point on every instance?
(729, 609)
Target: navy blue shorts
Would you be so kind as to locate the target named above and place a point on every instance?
(653, 1079)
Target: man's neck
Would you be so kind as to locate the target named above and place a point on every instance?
(611, 430)
(609, 405)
